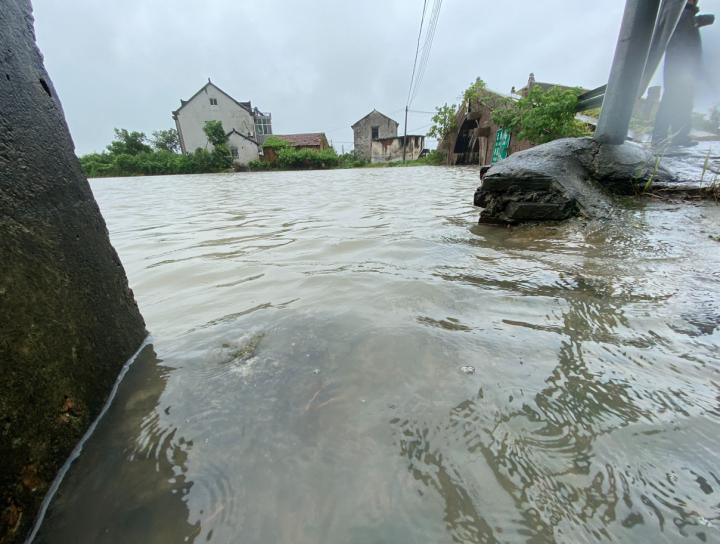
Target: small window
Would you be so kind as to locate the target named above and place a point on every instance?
(375, 132)
(234, 151)
(213, 101)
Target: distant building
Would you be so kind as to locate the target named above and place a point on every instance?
(474, 139)
(242, 148)
(246, 126)
(373, 126)
(391, 149)
(310, 140)
(263, 125)
(544, 86)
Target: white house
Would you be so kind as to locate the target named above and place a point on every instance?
(242, 123)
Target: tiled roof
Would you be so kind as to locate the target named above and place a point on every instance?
(303, 140)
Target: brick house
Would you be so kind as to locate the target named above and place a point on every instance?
(473, 140)
(310, 140)
(373, 126)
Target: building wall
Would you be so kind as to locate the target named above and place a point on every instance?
(391, 149)
(191, 118)
(247, 150)
(483, 154)
(362, 132)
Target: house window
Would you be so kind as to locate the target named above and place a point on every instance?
(375, 132)
(213, 101)
(234, 151)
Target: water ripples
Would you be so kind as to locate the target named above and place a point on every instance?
(347, 357)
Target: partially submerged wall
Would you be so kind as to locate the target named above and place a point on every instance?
(68, 320)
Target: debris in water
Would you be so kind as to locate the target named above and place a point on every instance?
(316, 371)
(467, 369)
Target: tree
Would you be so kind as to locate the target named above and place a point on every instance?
(166, 140)
(443, 121)
(128, 143)
(473, 92)
(221, 157)
(542, 116)
(215, 133)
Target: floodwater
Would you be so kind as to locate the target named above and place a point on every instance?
(347, 357)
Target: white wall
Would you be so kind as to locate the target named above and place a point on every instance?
(392, 150)
(192, 117)
(247, 151)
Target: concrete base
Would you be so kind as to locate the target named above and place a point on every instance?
(68, 320)
(564, 178)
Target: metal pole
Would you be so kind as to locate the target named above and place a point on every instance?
(631, 55)
(405, 136)
(668, 19)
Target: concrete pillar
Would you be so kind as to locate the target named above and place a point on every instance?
(68, 320)
(631, 54)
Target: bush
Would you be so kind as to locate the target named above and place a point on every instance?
(352, 159)
(542, 116)
(307, 159)
(152, 163)
(433, 158)
(259, 165)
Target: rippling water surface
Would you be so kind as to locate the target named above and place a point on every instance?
(346, 357)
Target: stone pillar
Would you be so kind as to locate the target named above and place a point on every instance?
(68, 320)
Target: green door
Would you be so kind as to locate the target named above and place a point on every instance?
(502, 144)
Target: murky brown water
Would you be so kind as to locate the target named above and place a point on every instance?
(308, 378)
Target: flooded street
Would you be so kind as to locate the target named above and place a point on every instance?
(347, 357)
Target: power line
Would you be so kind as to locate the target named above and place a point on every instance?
(427, 46)
(417, 49)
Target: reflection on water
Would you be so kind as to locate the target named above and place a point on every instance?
(315, 331)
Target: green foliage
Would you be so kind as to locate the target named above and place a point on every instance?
(352, 159)
(150, 163)
(433, 158)
(166, 140)
(259, 165)
(444, 121)
(474, 91)
(215, 133)
(130, 143)
(307, 159)
(273, 142)
(542, 116)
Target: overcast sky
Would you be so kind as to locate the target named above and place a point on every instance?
(317, 65)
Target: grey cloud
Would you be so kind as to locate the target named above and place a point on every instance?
(317, 66)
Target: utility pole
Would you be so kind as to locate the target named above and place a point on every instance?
(405, 136)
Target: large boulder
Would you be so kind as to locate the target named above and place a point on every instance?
(564, 178)
(69, 320)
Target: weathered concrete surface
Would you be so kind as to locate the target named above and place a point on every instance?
(562, 179)
(68, 320)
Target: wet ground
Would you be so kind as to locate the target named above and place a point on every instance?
(347, 357)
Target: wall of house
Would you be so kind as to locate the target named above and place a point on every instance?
(247, 150)
(191, 118)
(362, 132)
(486, 144)
(391, 149)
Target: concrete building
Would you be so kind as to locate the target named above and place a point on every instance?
(373, 126)
(391, 149)
(242, 148)
(244, 124)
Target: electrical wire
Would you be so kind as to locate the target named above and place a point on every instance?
(427, 46)
(417, 49)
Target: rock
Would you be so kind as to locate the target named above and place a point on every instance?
(69, 320)
(562, 179)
